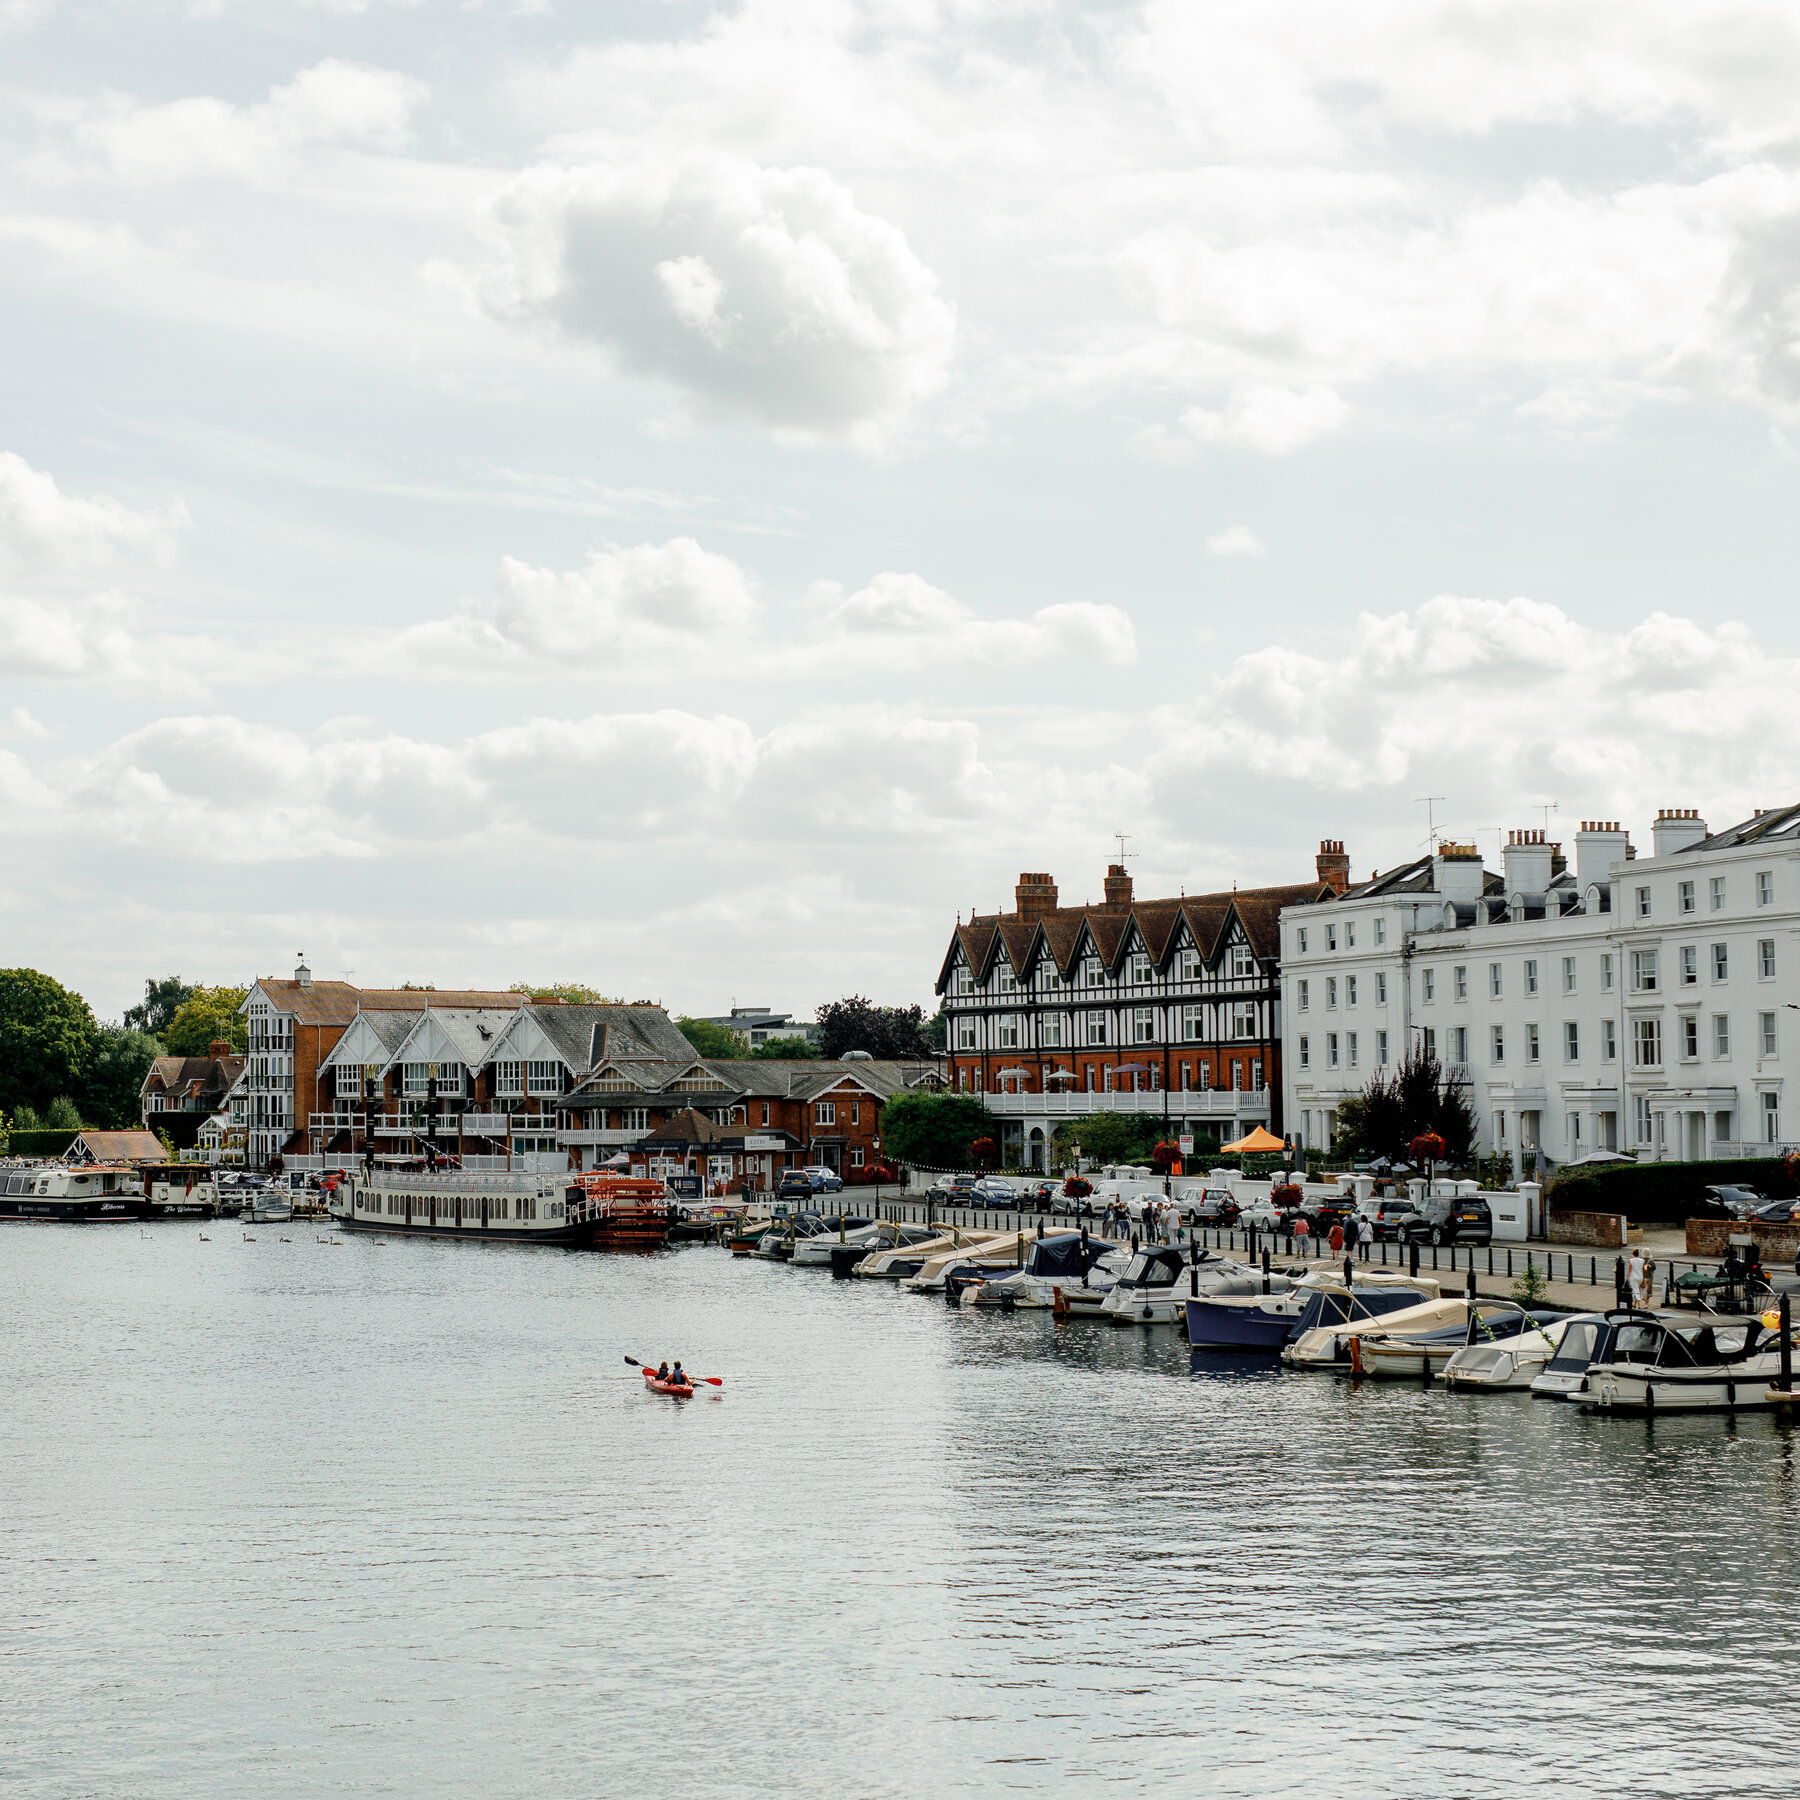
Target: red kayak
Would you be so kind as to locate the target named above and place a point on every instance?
(682, 1389)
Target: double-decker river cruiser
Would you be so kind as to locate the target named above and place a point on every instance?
(585, 1211)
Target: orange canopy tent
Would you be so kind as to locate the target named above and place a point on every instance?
(1258, 1141)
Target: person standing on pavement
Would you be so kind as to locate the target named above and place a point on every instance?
(1335, 1238)
(1352, 1234)
(1634, 1277)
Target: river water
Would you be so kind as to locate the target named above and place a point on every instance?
(394, 1518)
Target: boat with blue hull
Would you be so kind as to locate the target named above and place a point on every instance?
(1268, 1321)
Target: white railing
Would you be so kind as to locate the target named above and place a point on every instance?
(1230, 1103)
(599, 1140)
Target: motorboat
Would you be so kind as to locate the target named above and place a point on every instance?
(1586, 1339)
(267, 1206)
(1509, 1363)
(1416, 1355)
(1156, 1284)
(65, 1191)
(900, 1262)
(1268, 1321)
(994, 1257)
(1722, 1363)
(1067, 1263)
(1326, 1346)
(839, 1234)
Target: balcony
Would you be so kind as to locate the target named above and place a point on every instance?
(1199, 1103)
(603, 1140)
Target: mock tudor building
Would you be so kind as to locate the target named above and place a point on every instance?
(1170, 1007)
(1626, 1003)
(181, 1093)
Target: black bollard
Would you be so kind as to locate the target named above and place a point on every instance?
(1619, 1281)
(1349, 1271)
(1413, 1258)
(1265, 1260)
(1786, 1381)
(1194, 1271)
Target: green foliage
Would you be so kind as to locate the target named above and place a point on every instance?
(46, 1039)
(63, 1115)
(786, 1049)
(115, 1081)
(162, 1000)
(933, 1131)
(38, 1142)
(717, 1041)
(1665, 1192)
(27, 1118)
(208, 1014)
(1109, 1138)
(571, 993)
(1394, 1109)
(168, 1144)
(891, 1033)
(1531, 1288)
(937, 1029)
(1495, 1171)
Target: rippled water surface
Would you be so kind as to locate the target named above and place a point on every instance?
(394, 1518)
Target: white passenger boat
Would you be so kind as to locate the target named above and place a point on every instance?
(63, 1191)
(1156, 1284)
(520, 1208)
(1711, 1364)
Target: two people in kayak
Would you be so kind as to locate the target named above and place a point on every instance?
(675, 1377)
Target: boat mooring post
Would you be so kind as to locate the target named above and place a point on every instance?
(1265, 1261)
(1194, 1272)
(1786, 1380)
(1349, 1272)
(1471, 1282)
(1413, 1258)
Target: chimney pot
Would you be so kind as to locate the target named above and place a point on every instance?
(1333, 865)
(1118, 887)
(1034, 897)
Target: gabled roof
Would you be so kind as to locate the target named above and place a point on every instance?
(770, 1079)
(337, 1002)
(1067, 932)
(1775, 822)
(372, 1037)
(469, 1032)
(116, 1147)
(193, 1074)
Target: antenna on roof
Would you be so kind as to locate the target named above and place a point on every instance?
(1548, 807)
(1431, 835)
(1123, 838)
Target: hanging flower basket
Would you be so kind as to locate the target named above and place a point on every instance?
(1428, 1147)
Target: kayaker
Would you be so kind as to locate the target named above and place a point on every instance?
(676, 1378)
(662, 1373)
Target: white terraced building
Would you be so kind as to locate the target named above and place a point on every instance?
(1631, 1003)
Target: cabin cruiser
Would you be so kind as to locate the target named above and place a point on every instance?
(815, 1251)
(1156, 1284)
(1586, 1339)
(994, 1257)
(1267, 1321)
(1065, 1265)
(1720, 1363)
(1421, 1354)
(1507, 1363)
(1327, 1346)
(901, 1262)
(62, 1191)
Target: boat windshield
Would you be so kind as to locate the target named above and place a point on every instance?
(1151, 1269)
(1576, 1350)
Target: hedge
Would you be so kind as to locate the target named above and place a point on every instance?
(39, 1143)
(1664, 1192)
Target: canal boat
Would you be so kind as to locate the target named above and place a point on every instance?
(1266, 1322)
(173, 1188)
(1653, 1365)
(583, 1211)
(1159, 1280)
(89, 1191)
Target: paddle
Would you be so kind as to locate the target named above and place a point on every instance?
(710, 1380)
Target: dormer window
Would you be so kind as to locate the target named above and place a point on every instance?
(1140, 969)
(1242, 963)
(1003, 978)
(963, 980)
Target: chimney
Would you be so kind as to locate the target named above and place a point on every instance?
(217, 1048)
(303, 974)
(1333, 865)
(1118, 888)
(1598, 845)
(1528, 862)
(1034, 897)
(1676, 828)
(1457, 874)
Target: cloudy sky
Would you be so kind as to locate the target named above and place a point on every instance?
(688, 498)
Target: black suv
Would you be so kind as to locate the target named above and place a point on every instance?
(1444, 1220)
(1324, 1214)
(796, 1184)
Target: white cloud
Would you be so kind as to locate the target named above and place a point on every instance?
(331, 103)
(1496, 701)
(1236, 540)
(764, 295)
(44, 531)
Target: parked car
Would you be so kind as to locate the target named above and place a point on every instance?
(1731, 1200)
(795, 1184)
(1386, 1219)
(992, 1191)
(1216, 1206)
(1041, 1194)
(1443, 1219)
(824, 1180)
(1333, 1210)
(1265, 1215)
(1775, 1212)
(953, 1187)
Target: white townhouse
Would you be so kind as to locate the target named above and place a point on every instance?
(1628, 1003)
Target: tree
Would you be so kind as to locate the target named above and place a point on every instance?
(717, 1041)
(1109, 1138)
(162, 1000)
(937, 1029)
(933, 1131)
(115, 1081)
(207, 1015)
(64, 1115)
(571, 993)
(46, 1039)
(787, 1049)
(892, 1033)
(1415, 1100)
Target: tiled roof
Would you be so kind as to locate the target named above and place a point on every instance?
(1208, 918)
(337, 1002)
(119, 1146)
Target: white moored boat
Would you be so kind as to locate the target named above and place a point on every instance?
(1157, 1283)
(1717, 1364)
(59, 1191)
(1509, 1363)
(519, 1208)
(1328, 1346)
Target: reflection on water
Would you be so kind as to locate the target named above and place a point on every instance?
(396, 1518)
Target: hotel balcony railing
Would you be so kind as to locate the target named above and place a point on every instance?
(390, 1121)
(1194, 1103)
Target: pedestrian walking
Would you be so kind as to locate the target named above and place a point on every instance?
(1634, 1278)
(1352, 1234)
(1335, 1238)
(1302, 1234)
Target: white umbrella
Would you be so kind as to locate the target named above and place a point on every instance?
(1597, 1157)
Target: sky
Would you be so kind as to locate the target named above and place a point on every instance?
(691, 499)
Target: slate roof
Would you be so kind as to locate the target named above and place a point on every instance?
(193, 1077)
(1774, 822)
(1416, 878)
(1065, 930)
(772, 1079)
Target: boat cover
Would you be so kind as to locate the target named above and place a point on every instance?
(1063, 1257)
